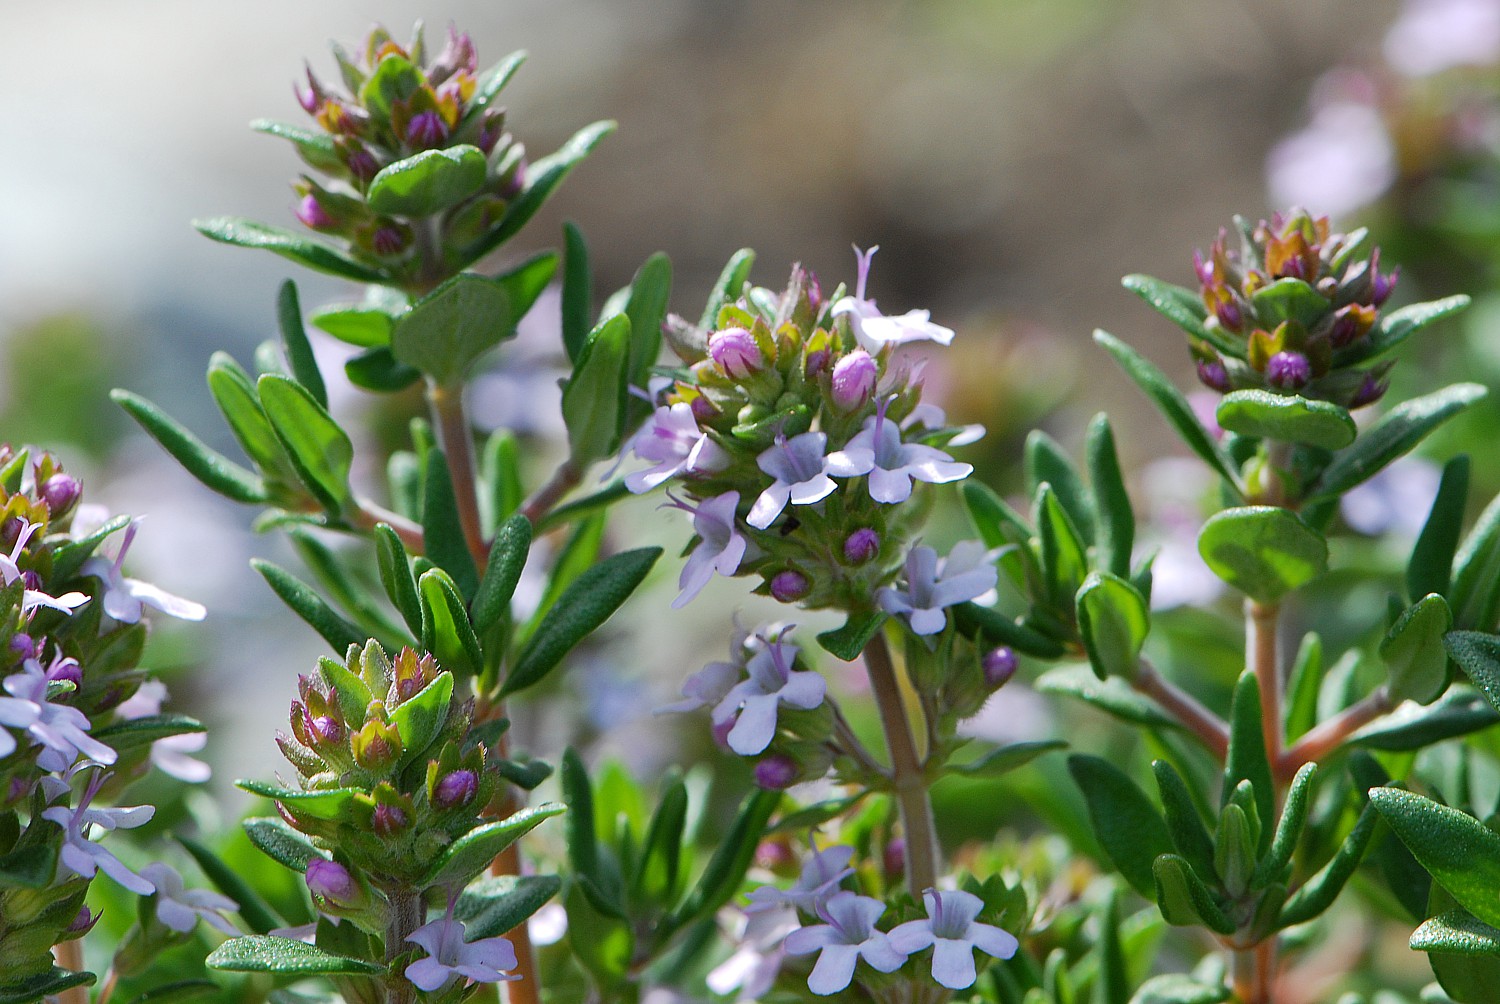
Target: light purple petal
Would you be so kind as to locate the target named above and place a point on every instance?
(175, 915)
(881, 954)
(756, 726)
(889, 487)
(167, 603)
(992, 940)
(428, 974)
(928, 621)
(853, 914)
(804, 690)
(852, 461)
(813, 490)
(834, 970)
(912, 936)
(893, 601)
(953, 963)
(810, 939)
(496, 953)
(958, 911)
(696, 573)
(115, 869)
(768, 505)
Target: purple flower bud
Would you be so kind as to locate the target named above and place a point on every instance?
(1203, 267)
(894, 859)
(516, 182)
(331, 881)
(1288, 370)
(327, 729)
(66, 669)
(311, 96)
(861, 545)
(60, 492)
(490, 131)
(388, 821)
(426, 130)
(814, 292)
(704, 410)
(1369, 392)
(789, 586)
(312, 214)
(999, 666)
(1212, 374)
(854, 379)
(455, 789)
(23, 645)
(361, 162)
(10, 532)
(84, 921)
(388, 241)
(19, 788)
(1229, 314)
(1381, 285)
(31, 580)
(735, 351)
(776, 772)
(816, 362)
(1344, 329)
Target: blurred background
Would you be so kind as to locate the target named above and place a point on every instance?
(1013, 158)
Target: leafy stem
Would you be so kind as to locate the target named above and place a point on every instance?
(1197, 719)
(1261, 655)
(908, 773)
(452, 423)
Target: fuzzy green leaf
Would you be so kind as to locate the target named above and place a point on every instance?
(1475, 592)
(1413, 651)
(378, 370)
(849, 641)
(420, 718)
(726, 869)
(1247, 759)
(593, 402)
(1287, 418)
(1263, 551)
(258, 953)
(728, 287)
(363, 325)
(1461, 852)
(1129, 827)
(47, 985)
(307, 604)
(1431, 566)
(442, 527)
(428, 182)
(1005, 759)
(1457, 932)
(1115, 535)
(446, 631)
(1178, 989)
(322, 803)
(447, 330)
(396, 576)
(1399, 325)
(502, 573)
(1319, 892)
(577, 291)
(276, 839)
(1046, 461)
(299, 351)
(1184, 899)
(492, 906)
(1113, 621)
(318, 448)
(215, 470)
(472, 853)
(1411, 726)
(314, 254)
(146, 729)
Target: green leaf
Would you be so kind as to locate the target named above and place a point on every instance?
(525, 283)
(181, 990)
(726, 869)
(542, 178)
(1319, 892)
(577, 291)
(1129, 827)
(593, 402)
(1180, 306)
(1411, 726)
(377, 370)
(727, 289)
(251, 906)
(996, 628)
(307, 604)
(1478, 654)
(1263, 551)
(364, 325)
(502, 573)
(1399, 325)
(1046, 461)
(145, 730)
(420, 718)
(1247, 759)
(342, 587)
(658, 869)
(258, 953)
(1302, 687)
(215, 470)
(472, 853)
(32, 866)
(583, 846)
(276, 839)
(1431, 566)
(1178, 989)
(320, 803)
(847, 642)
(299, 351)
(1005, 759)
(1457, 932)
(446, 631)
(1113, 621)
(1288, 829)
(1173, 406)
(492, 906)
(647, 308)
(491, 83)
(1288, 300)
(1184, 822)
(1111, 983)
(1113, 696)
(1115, 536)
(396, 576)
(1475, 594)
(442, 527)
(428, 182)
(47, 985)
(582, 608)
(1064, 561)
(314, 254)
(319, 450)
(1184, 899)
(1461, 852)
(315, 147)
(1287, 418)
(445, 331)
(234, 392)
(1413, 651)
(500, 483)
(1397, 432)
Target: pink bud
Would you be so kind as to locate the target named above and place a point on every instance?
(1288, 370)
(854, 379)
(388, 821)
(312, 214)
(861, 545)
(23, 645)
(735, 351)
(776, 772)
(1369, 392)
(1213, 375)
(328, 729)
(361, 162)
(426, 130)
(331, 881)
(455, 789)
(60, 492)
(789, 586)
(387, 241)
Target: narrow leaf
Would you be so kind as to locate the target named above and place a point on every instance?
(276, 839)
(1129, 827)
(472, 853)
(502, 573)
(442, 528)
(252, 907)
(577, 291)
(318, 448)
(1431, 566)
(299, 351)
(213, 469)
(258, 953)
(307, 604)
(314, 254)
(1115, 535)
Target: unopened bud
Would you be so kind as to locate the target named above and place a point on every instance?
(377, 746)
(1288, 370)
(861, 545)
(1212, 374)
(426, 130)
(789, 586)
(60, 492)
(84, 921)
(331, 881)
(776, 772)
(816, 362)
(327, 729)
(23, 645)
(312, 214)
(360, 161)
(1369, 392)
(894, 859)
(999, 666)
(455, 789)
(704, 410)
(735, 351)
(388, 241)
(853, 382)
(388, 821)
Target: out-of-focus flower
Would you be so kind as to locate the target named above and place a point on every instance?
(1342, 161)
(821, 874)
(952, 932)
(875, 330)
(170, 755)
(753, 967)
(82, 856)
(932, 585)
(1397, 500)
(180, 908)
(848, 935)
(1431, 36)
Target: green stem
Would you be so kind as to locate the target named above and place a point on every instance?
(1262, 655)
(908, 775)
(563, 480)
(454, 436)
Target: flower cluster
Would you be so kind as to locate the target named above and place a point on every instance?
(399, 106)
(796, 435)
(1294, 311)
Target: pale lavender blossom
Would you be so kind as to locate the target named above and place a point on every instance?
(125, 598)
(721, 546)
(1397, 500)
(820, 877)
(932, 585)
(753, 967)
(1343, 160)
(848, 935)
(707, 686)
(952, 932)
(60, 729)
(800, 468)
(82, 856)
(449, 956)
(757, 700)
(180, 908)
(1431, 36)
(875, 330)
(170, 755)
(876, 451)
(930, 417)
(672, 441)
(32, 598)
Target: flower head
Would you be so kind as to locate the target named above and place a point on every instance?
(822, 872)
(847, 936)
(450, 957)
(125, 598)
(952, 932)
(756, 701)
(82, 856)
(673, 442)
(800, 468)
(60, 729)
(875, 330)
(31, 598)
(932, 585)
(180, 908)
(892, 466)
(720, 548)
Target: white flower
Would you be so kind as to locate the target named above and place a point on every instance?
(848, 936)
(953, 934)
(449, 956)
(875, 330)
(180, 908)
(721, 546)
(753, 967)
(62, 730)
(80, 855)
(877, 451)
(1435, 35)
(772, 683)
(821, 874)
(124, 597)
(801, 472)
(672, 441)
(170, 755)
(33, 598)
(931, 586)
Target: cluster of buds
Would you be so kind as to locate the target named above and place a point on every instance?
(392, 736)
(1293, 311)
(399, 105)
(795, 436)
